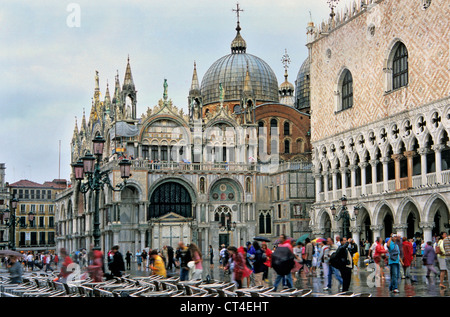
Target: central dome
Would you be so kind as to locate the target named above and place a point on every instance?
(230, 70)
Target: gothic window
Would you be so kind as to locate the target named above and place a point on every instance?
(170, 197)
(145, 154)
(223, 215)
(265, 222)
(400, 67)
(347, 90)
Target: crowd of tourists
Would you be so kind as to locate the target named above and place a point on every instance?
(249, 265)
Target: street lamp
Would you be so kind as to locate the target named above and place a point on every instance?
(89, 167)
(344, 214)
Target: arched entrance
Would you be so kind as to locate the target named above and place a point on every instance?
(171, 214)
(365, 224)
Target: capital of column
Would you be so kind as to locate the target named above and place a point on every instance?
(353, 167)
(335, 171)
(363, 164)
(426, 225)
(374, 162)
(438, 147)
(385, 159)
(343, 170)
(355, 229)
(409, 153)
(423, 151)
(376, 227)
(400, 226)
(397, 157)
(317, 175)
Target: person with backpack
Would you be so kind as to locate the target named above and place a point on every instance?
(394, 262)
(258, 264)
(342, 260)
(283, 262)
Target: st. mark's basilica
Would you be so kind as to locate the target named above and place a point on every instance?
(365, 123)
(235, 166)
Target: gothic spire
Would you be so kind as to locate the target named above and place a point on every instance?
(128, 83)
(195, 87)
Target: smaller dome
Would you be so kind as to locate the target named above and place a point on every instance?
(302, 86)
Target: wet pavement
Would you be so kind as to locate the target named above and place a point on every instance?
(362, 281)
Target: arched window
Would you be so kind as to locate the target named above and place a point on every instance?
(202, 185)
(223, 215)
(273, 124)
(287, 147)
(400, 67)
(248, 185)
(170, 197)
(286, 128)
(265, 222)
(347, 91)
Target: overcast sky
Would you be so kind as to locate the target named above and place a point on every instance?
(50, 54)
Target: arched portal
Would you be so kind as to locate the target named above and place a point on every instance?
(170, 197)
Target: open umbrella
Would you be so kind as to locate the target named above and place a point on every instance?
(10, 253)
(318, 240)
(261, 239)
(303, 238)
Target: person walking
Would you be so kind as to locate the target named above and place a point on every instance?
(158, 266)
(282, 262)
(236, 265)
(298, 260)
(67, 260)
(332, 248)
(394, 262)
(48, 262)
(429, 258)
(116, 265)
(211, 257)
(344, 263)
(30, 261)
(15, 270)
(258, 264)
(379, 255)
(267, 262)
(184, 257)
(440, 251)
(170, 256)
(95, 268)
(128, 257)
(139, 259)
(309, 251)
(196, 256)
(144, 256)
(407, 258)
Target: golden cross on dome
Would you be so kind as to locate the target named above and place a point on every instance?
(237, 10)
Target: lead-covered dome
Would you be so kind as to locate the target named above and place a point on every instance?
(231, 69)
(302, 86)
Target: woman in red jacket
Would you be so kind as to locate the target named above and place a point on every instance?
(379, 258)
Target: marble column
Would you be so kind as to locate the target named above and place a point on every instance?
(317, 177)
(376, 230)
(334, 173)
(427, 228)
(325, 185)
(423, 151)
(356, 234)
(363, 166)
(344, 180)
(373, 164)
(353, 179)
(438, 161)
(385, 161)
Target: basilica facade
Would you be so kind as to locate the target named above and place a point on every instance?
(380, 119)
(235, 165)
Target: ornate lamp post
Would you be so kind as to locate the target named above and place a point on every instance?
(344, 214)
(90, 167)
(11, 222)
